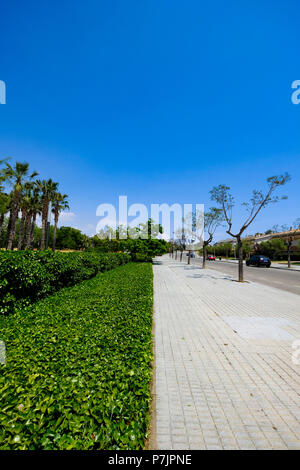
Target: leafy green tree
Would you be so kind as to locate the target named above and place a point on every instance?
(247, 248)
(144, 231)
(272, 248)
(293, 232)
(70, 238)
(291, 236)
(140, 248)
(227, 248)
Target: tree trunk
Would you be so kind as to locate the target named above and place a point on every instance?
(20, 237)
(204, 257)
(55, 230)
(44, 223)
(12, 222)
(241, 266)
(189, 257)
(1, 223)
(181, 255)
(32, 230)
(176, 254)
(27, 231)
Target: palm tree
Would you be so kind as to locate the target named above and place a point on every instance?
(25, 201)
(35, 209)
(4, 206)
(61, 203)
(15, 175)
(4, 199)
(48, 189)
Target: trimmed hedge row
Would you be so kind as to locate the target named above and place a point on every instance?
(28, 276)
(78, 366)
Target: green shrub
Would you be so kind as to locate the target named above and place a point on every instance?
(78, 366)
(145, 250)
(27, 276)
(141, 257)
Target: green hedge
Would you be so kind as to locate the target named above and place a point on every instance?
(78, 366)
(27, 276)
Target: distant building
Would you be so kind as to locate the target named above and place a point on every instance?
(292, 235)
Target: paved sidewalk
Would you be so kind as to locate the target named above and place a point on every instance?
(224, 372)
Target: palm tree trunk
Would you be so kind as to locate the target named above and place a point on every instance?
(55, 229)
(32, 230)
(13, 221)
(1, 223)
(44, 223)
(20, 238)
(27, 231)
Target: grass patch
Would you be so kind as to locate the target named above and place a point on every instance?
(78, 366)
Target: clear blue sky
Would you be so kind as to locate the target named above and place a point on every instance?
(158, 100)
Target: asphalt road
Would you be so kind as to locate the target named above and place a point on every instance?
(280, 278)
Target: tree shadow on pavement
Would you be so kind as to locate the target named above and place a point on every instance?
(210, 276)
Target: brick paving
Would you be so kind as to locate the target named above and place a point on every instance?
(224, 372)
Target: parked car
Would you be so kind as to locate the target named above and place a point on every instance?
(192, 255)
(211, 258)
(258, 260)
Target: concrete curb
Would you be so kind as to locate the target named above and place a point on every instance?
(286, 269)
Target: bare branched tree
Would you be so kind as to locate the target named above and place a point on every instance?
(258, 201)
(180, 241)
(212, 219)
(193, 229)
